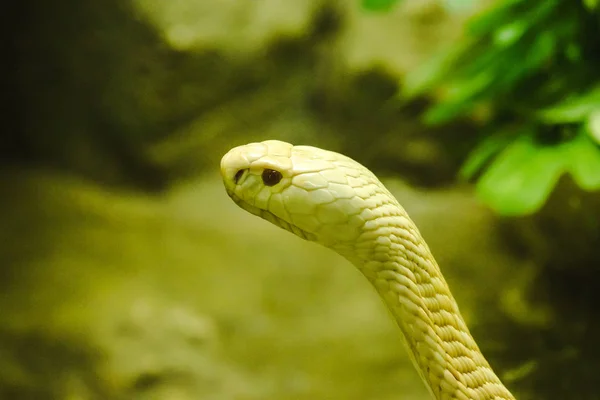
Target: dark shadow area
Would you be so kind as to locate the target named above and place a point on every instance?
(39, 366)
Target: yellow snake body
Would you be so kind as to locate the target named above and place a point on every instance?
(331, 199)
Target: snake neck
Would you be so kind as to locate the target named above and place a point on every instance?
(396, 260)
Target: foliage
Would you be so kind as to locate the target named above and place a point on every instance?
(378, 5)
(534, 66)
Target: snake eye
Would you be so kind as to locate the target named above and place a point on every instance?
(271, 177)
(238, 176)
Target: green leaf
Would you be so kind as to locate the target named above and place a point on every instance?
(542, 50)
(584, 163)
(519, 181)
(443, 112)
(461, 96)
(593, 125)
(573, 52)
(483, 153)
(503, 12)
(591, 4)
(510, 12)
(378, 5)
(572, 110)
(468, 88)
(423, 78)
(510, 34)
(480, 57)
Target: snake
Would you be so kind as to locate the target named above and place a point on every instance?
(328, 198)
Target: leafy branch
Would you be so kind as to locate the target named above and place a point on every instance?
(535, 64)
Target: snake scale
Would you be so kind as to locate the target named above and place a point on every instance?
(328, 198)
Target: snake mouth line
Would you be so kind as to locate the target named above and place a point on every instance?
(272, 218)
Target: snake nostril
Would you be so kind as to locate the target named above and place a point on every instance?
(271, 177)
(238, 176)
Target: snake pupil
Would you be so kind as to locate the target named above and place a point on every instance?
(271, 177)
(238, 176)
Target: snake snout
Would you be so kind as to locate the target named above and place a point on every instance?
(231, 164)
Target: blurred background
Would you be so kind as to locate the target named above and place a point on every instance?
(127, 273)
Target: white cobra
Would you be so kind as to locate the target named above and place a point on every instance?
(326, 197)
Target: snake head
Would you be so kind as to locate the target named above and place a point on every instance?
(317, 194)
